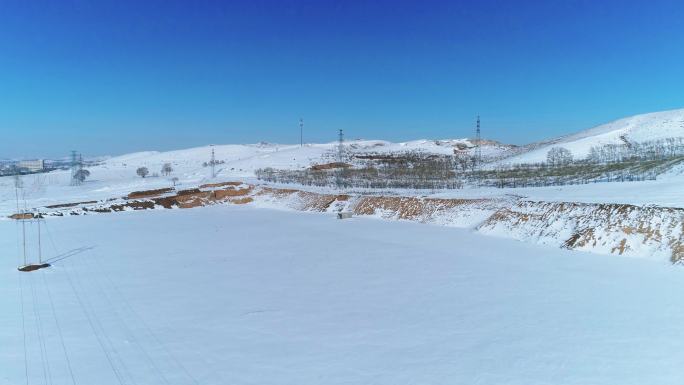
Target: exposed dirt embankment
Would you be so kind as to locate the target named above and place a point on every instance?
(600, 228)
(149, 193)
(227, 192)
(452, 212)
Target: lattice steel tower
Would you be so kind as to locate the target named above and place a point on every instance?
(213, 163)
(478, 141)
(76, 166)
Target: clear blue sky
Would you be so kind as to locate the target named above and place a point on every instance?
(109, 77)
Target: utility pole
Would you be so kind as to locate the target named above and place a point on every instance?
(301, 132)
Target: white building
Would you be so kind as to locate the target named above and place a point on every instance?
(32, 165)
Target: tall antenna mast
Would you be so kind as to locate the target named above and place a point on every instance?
(478, 140)
(301, 132)
(340, 146)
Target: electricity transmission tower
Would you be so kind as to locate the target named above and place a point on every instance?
(478, 140)
(301, 132)
(76, 166)
(213, 163)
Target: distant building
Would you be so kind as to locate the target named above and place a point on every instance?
(32, 165)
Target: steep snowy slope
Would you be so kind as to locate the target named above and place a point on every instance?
(638, 128)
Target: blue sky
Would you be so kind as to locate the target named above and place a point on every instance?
(109, 77)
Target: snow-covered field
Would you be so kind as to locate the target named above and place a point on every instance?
(240, 295)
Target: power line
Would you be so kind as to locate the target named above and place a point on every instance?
(59, 329)
(23, 326)
(95, 323)
(47, 374)
(17, 183)
(92, 327)
(126, 302)
(147, 327)
(125, 326)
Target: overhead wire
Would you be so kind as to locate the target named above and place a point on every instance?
(59, 329)
(88, 316)
(127, 330)
(23, 317)
(95, 323)
(47, 374)
(21, 288)
(146, 326)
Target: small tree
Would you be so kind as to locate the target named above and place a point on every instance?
(81, 175)
(166, 169)
(142, 171)
(174, 180)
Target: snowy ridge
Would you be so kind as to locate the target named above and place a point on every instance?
(637, 128)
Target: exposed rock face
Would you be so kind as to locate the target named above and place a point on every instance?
(301, 200)
(149, 193)
(451, 212)
(19, 216)
(600, 228)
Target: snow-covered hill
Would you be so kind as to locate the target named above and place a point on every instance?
(116, 176)
(242, 160)
(637, 128)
